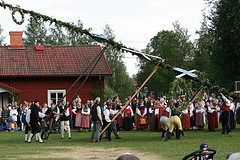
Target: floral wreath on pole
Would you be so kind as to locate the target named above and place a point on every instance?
(22, 15)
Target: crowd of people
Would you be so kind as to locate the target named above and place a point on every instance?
(157, 114)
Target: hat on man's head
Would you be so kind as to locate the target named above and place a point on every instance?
(204, 145)
(36, 101)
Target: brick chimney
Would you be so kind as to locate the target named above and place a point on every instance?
(16, 40)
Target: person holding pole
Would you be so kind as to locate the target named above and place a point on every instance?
(107, 112)
(96, 120)
(64, 119)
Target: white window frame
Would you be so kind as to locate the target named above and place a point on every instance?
(55, 91)
(236, 84)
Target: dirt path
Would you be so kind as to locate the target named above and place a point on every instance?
(94, 153)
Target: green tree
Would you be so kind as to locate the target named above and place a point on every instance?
(202, 49)
(120, 81)
(36, 34)
(61, 36)
(176, 48)
(109, 93)
(225, 27)
(1, 37)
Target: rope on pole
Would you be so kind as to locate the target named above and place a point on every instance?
(98, 57)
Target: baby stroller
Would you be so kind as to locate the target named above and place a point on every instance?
(203, 154)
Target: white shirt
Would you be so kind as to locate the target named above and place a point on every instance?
(44, 110)
(139, 112)
(74, 109)
(78, 100)
(191, 110)
(87, 112)
(228, 103)
(232, 107)
(107, 113)
(210, 110)
(200, 110)
(131, 111)
(14, 114)
(151, 110)
(185, 111)
(40, 114)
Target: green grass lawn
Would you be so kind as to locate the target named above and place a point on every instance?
(12, 144)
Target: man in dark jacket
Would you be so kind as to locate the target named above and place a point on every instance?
(96, 120)
(35, 122)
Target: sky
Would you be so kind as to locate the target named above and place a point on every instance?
(134, 22)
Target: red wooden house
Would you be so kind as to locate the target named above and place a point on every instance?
(46, 73)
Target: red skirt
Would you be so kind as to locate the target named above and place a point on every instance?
(185, 121)
(120, 122)
(141, 126)
(85, 121)
(78, 121)
(199, 119)
(212, 121)
(152, 121)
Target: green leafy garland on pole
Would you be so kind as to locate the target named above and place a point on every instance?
(37, 16)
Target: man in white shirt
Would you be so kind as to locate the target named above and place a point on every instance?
(64, 119)
(107, 112)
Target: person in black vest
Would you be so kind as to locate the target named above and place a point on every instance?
(96, 120)
(35, 122)
(64, 119)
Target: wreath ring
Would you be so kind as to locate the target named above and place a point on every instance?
(22, 15)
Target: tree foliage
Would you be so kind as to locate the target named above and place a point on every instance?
(202, 48)
(36, 35)
(1, 37)
(120, 81)
(176, 48)
(225, 30)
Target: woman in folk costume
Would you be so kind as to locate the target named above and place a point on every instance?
(158, 114)
(175, 120)
(78, 120)
(120, 118)
(212, 115)
(185, 120)
(128, 118)
(86, 117)
(199, 116)
(152, 109)
(142, 114)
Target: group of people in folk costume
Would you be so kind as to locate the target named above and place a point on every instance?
(139, 114)
(82, 116)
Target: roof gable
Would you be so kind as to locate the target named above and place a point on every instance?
(51, 61)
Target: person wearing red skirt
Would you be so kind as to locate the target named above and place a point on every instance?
(199, 116)
(185, 120)
(78, 120)
(85, 118)
(212, 116)
(141, 112)
(152, 116)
